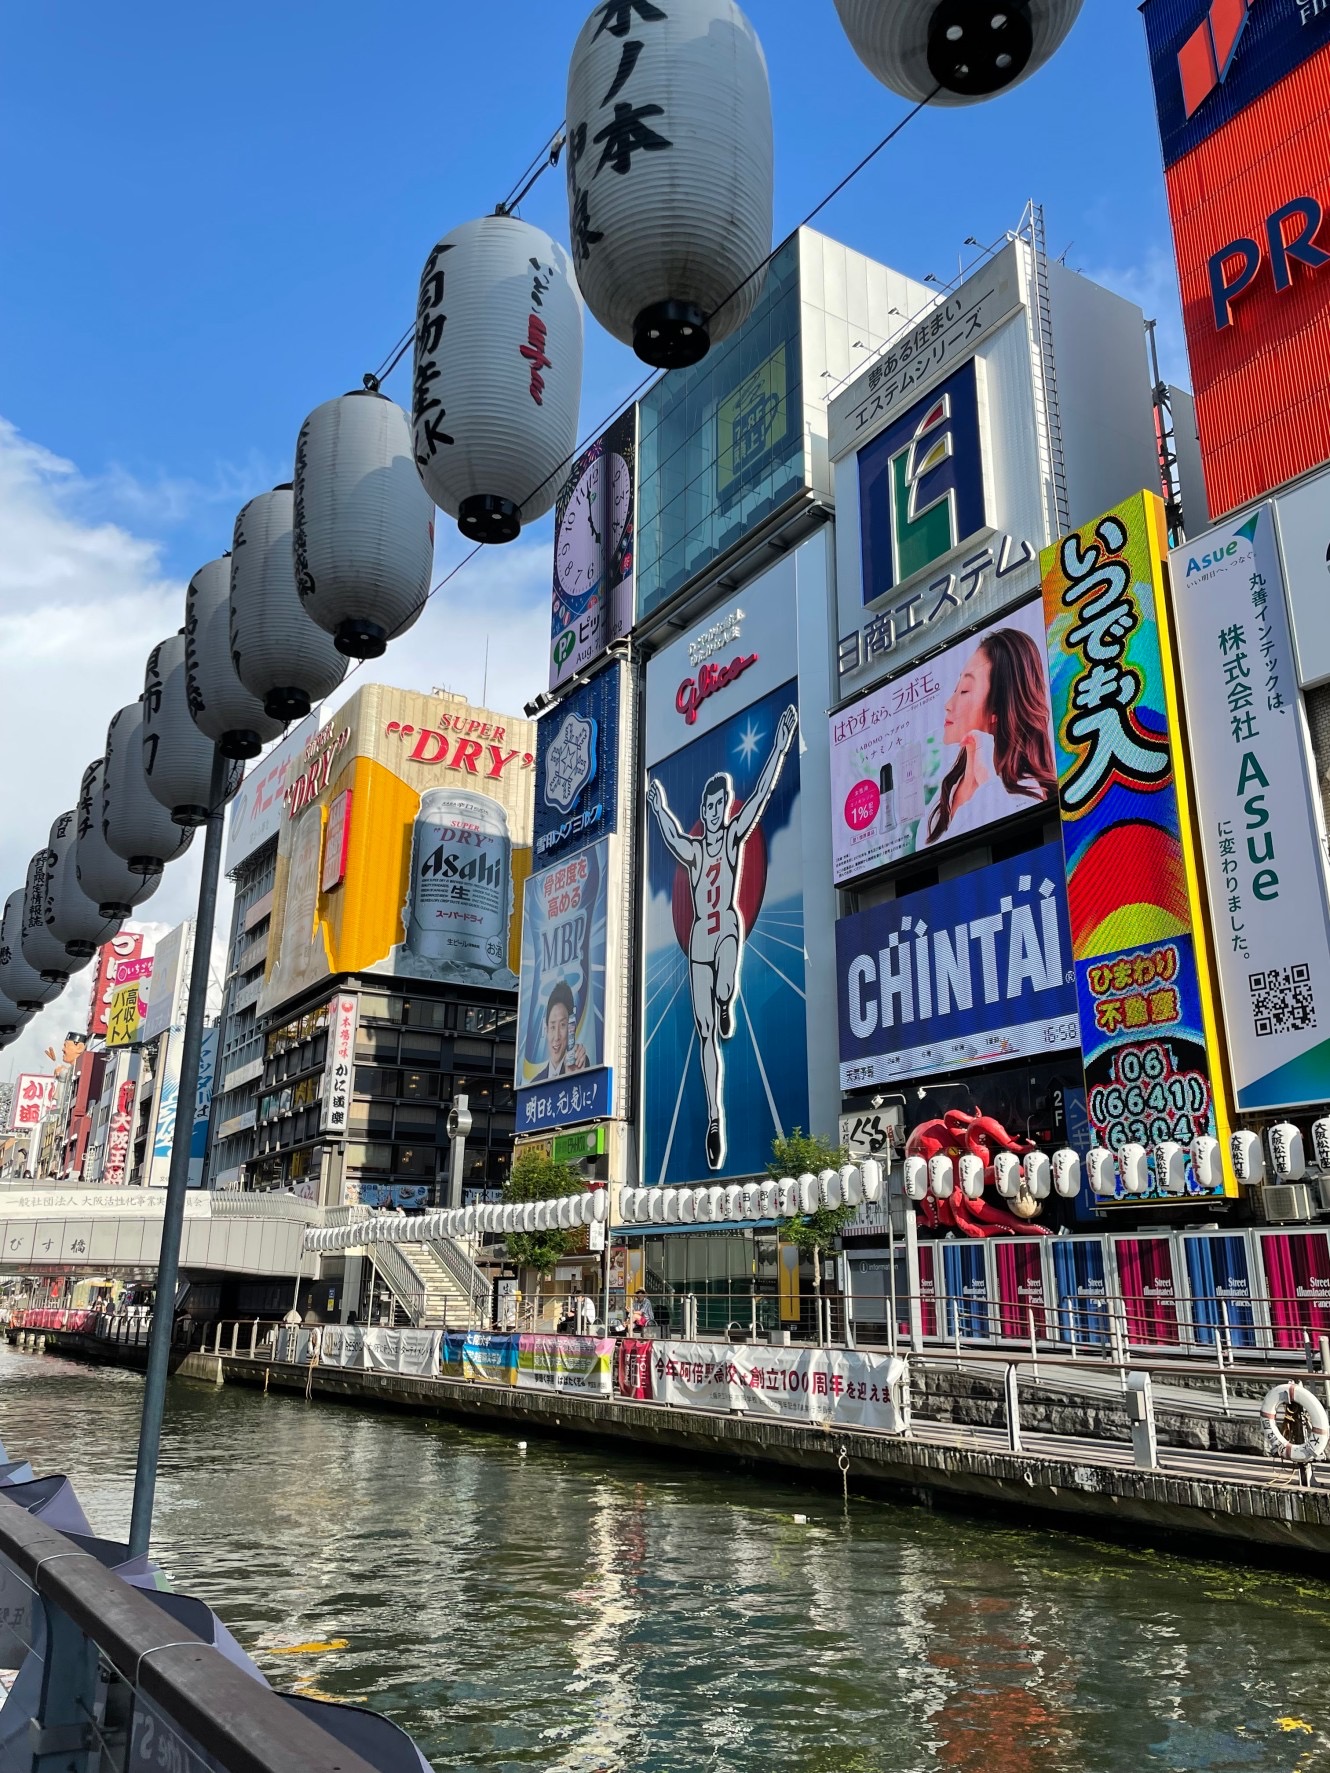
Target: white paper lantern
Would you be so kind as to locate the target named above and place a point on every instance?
(20, 982)
(970, 49)
(1170, 1167)
(219, 704)
(105, 878)
(972, 1176)
(752, 1201)
(673, 1203)
(136, 826)
(1246, 1151)
(1206, 1167)
(669, 164)
(498, 375)
(734, 1201)
(655, 1205)
(769, 1204)
(40, 948)
(1007, 1174)
(1133, 1168)
(1037, 1174)
(829, 1189)
(808, 1195)
(851, 1185)
(788, 1200)
(280, 655)
(941, 1177)
(71, 916)
(870, 1175)
(715, 1202)
(1102, 1171)
(1067, 1173)
(1287, 1152)
(916, 1178)
(364, 524)
(177, 756)
(687, 1206)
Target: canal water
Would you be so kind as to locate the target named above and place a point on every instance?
(576, 1610)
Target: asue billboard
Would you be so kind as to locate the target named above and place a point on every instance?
(972, 971)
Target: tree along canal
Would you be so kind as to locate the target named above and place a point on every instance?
(580, 1611)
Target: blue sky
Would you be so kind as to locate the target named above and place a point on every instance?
(216, 217)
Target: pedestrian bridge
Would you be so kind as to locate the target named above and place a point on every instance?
(119, 1230)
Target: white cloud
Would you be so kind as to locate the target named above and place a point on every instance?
(1152, 283)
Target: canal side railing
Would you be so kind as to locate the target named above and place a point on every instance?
(124, 1685)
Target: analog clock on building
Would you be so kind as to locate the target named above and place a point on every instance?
(591, 534)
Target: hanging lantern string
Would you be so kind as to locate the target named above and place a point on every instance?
(549, 156)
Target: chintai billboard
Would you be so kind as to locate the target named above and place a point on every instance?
(969, 972)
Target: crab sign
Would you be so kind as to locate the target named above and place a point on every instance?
(958, 1134)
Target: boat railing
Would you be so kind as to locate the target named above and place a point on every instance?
(119, 1681)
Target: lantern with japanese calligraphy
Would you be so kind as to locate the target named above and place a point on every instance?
(71, 916)
(280, 655)
(498, 375)
(136, 826)
(364, 524)
(20, 981)
(955, 52)
(108, 881)
(219, 704)
(40, 948)
(669, 164)
(177, 757)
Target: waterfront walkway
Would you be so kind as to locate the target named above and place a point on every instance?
(1066, 1455)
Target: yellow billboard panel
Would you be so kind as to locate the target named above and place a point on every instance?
(405, 843)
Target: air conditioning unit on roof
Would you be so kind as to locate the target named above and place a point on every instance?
(1287, 1203)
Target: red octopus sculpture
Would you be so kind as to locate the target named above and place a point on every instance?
(953, 1136)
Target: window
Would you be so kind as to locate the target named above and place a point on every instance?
(376, 1006)
(416, 1120)
(419, 1046)
(370, 1117)
(376, 1043)
(420, 1086)
(721, 444)
(415, 1160)
(425, 1013)
(376, 1080)
(369, 1157)
(474, 1049)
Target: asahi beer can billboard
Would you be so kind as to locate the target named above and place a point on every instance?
(405, 841)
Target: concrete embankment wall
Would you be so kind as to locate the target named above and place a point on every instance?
(1277, 1518)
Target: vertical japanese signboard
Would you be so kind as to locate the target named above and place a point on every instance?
(1259, 812)
(34, 1099)
(1148, 1030)
(338, 1066)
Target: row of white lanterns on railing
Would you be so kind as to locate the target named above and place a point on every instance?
(848, 1186)
(1038, 1174)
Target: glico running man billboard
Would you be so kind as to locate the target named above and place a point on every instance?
(1153, 1065)
(727, 993)
(405, 840)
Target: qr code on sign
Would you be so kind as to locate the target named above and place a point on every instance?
(1281, 1000)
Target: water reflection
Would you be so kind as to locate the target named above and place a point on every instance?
(579, 1611)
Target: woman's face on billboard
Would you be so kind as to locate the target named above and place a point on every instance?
(967, 706)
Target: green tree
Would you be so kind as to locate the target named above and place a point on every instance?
(816, 1231)
(537, 1177)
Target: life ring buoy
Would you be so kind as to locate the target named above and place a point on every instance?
(1314, 1414)
(315, 1348)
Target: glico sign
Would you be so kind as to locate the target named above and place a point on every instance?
(1242, 89)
